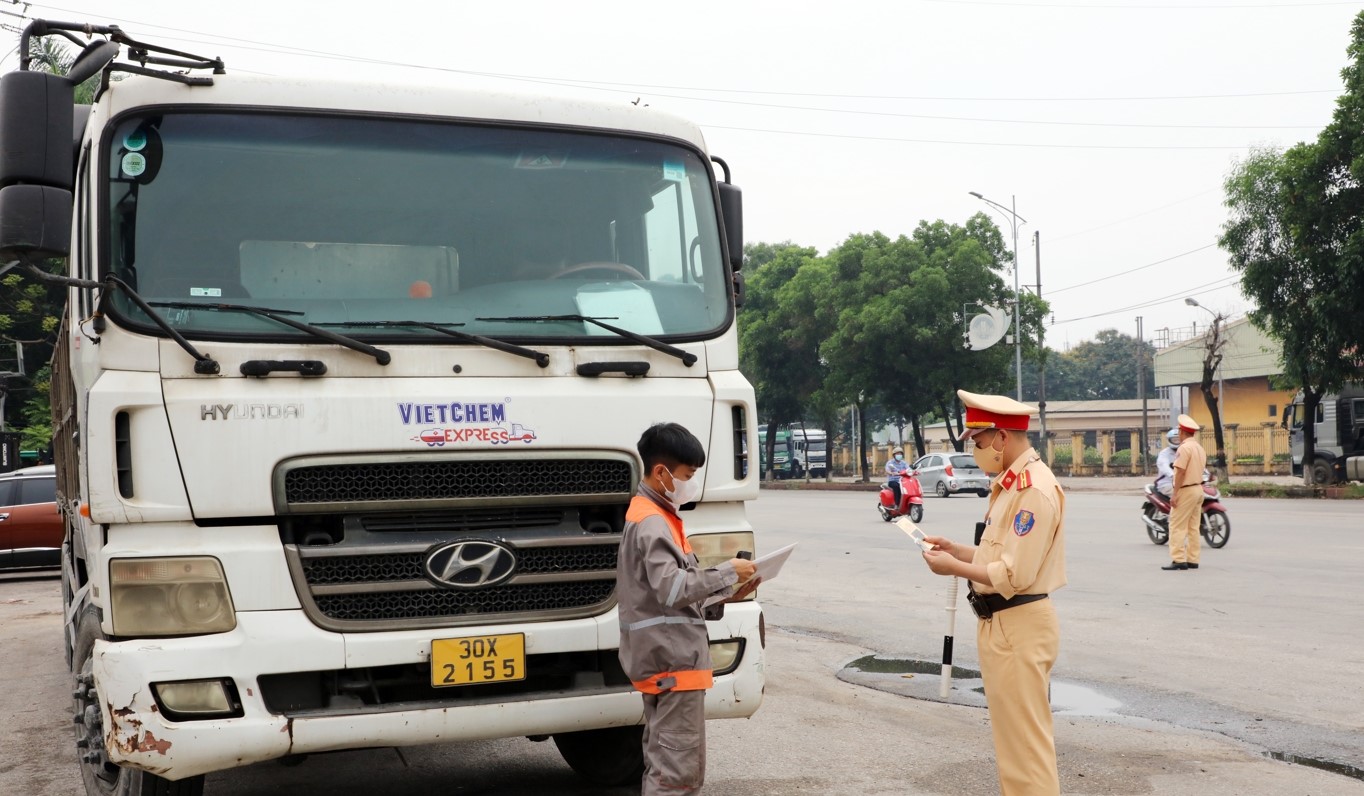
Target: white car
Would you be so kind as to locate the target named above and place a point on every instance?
(946, 474)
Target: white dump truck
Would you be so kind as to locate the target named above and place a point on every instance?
(346, 400)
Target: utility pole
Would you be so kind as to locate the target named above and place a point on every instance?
(1041, 349)
(1141, 393)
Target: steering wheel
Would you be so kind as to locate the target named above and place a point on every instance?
(602, 266)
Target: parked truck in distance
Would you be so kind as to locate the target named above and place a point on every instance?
(809, 452)
(796, 452)
(1338, 433)
(345, 404)
(781, 459)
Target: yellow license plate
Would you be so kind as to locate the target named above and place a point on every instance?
(478, 659)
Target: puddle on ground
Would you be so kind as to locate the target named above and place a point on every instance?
(1344, 769)
(1067, 699)
(875, 664)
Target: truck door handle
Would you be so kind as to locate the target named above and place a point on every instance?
(4, 516)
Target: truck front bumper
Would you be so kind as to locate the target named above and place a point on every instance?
(139, 734)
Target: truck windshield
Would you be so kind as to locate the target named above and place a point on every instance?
(352, 220)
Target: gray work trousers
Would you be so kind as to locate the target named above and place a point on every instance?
(674, 743)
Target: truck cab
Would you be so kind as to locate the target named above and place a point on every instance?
(345, 403)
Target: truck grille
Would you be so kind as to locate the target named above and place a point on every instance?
(389, 567)
(373, 588)
(431, 480)
(445, 605)
(357, 532)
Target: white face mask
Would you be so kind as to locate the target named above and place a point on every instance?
(899, 457)
(683, 492)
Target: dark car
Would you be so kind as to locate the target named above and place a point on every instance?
(31, 528)
(946, 474)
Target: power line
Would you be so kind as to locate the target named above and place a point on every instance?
(1132, 270)
(972, 143)
(1197, 290)
(581, 83)
(1059, 238)
(1141, 6)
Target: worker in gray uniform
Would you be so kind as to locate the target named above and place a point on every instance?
(660, 589)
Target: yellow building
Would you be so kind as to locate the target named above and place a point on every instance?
(1241, 383)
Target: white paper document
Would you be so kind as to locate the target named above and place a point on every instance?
(768, 568)
(913, 531)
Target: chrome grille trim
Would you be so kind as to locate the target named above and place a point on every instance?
(383, 587)
(458, 479)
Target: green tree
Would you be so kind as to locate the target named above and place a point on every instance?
(778, 360)
(1296, 234)
(1101, 369)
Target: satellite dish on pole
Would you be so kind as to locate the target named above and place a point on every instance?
(987, 328)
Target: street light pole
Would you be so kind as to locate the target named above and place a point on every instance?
(1014, 219)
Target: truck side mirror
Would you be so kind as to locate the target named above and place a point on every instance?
(36, 120)
(37, 164)
(732, 211)
(35, 221)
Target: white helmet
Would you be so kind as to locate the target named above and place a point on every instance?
(1172, 435)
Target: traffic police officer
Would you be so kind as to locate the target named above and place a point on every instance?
(1186, 499)
(1018, 559)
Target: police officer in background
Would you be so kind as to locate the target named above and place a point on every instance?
(1018, 559)
(1186, 503)
(1165, 464)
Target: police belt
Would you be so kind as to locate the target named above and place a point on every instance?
(987, 605)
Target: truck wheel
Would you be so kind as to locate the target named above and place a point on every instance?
(101, 777)
(608, 757)
(1322, 474)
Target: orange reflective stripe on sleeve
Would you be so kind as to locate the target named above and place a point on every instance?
(641, 507)
(690, 680)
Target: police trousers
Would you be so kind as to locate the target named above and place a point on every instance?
(1017, 649)
(674, 742)
(1185, 541)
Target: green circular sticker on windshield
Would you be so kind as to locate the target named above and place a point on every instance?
(133, 164)
(135, 141)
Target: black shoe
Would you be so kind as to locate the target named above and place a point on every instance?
(1193, 566)
(1178, 565)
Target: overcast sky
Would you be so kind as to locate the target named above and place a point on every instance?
(1111, 124)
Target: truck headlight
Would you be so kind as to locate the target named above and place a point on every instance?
(725, 655)
(169, 597)
(717, 548)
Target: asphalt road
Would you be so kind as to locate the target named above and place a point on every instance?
(1194, 678)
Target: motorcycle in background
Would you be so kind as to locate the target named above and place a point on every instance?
(911, 499)
(1214, 524)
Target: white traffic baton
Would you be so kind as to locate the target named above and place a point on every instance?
(946, 685)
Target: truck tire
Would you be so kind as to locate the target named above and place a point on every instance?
(101, 777)
(1322, 475)
(608, 757)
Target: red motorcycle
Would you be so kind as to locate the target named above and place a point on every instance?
(1214, 525)
(911, 498)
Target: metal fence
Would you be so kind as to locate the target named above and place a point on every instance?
(1261, 450)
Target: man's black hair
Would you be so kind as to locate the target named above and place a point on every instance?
(671, 445)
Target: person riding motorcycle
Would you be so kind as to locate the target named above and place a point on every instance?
(895, 466)
(1165, 463)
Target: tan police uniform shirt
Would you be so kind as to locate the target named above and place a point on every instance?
(1193, 459)
(1023, 547)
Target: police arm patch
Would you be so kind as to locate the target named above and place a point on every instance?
(1023, 522)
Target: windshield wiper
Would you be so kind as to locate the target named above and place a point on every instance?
(541, 358)
(204, 364)
(380, 356)
(687, 358)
